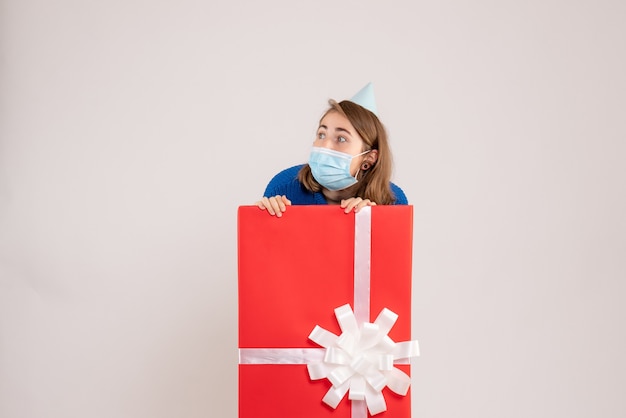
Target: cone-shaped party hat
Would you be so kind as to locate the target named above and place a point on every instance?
(365, 98)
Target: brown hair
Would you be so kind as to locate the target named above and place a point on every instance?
(374, 182)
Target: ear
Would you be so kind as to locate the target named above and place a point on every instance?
(369, 160)
(371, 157)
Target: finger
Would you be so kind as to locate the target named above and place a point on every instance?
(285, 200)
(281, 203)
(362, 204)
(275, 206)
(260, 205)
(268, 205)
(345, 202)
(355, 201)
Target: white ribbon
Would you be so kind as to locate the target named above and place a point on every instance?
(362, 255)
(280, 355)
(360, 361)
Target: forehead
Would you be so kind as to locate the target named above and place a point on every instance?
(334, 119)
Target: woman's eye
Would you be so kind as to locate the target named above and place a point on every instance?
(321, 135)
(341, 139)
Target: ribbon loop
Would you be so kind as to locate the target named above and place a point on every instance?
(386, 319)
(385, 362)
(335, 394)
(398, 381)
(375, 401)
(357, 389)
(322, 337)
(317, 370)
(386, 345)
(347, 342)
(335, 355)
(346, 319)
(406, 349)
(370, 335)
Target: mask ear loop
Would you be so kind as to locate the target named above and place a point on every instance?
(356, 175)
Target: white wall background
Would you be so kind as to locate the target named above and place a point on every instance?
(131, 130)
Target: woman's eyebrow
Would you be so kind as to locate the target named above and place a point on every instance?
(343, 130)
(338, 129)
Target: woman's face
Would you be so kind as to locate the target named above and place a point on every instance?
(337, 133)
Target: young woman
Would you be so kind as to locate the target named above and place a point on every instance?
(350, 163)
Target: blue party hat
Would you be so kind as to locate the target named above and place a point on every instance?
(365, 98)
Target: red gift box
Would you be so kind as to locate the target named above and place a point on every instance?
(293, 272)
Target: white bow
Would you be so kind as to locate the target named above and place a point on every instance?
(361, 360)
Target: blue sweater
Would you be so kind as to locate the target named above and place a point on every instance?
(286, 183)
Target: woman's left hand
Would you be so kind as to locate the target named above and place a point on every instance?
(355, 203)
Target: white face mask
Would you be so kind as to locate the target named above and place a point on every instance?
(331, 168)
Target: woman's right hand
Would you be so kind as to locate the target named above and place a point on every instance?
(275, 205)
